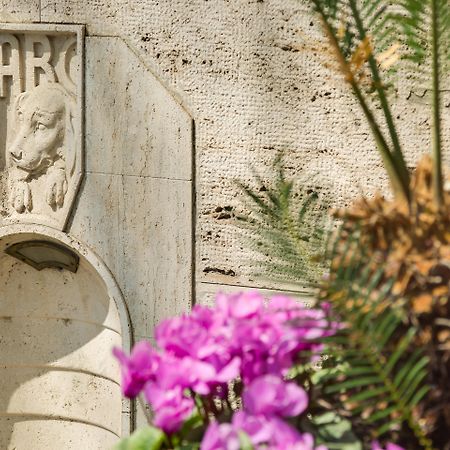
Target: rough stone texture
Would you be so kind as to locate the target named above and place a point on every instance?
(101, 17)
(248, 75)
(19, 10)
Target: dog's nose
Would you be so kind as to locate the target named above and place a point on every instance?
(16, 154)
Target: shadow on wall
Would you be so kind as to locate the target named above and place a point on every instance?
(59, 382)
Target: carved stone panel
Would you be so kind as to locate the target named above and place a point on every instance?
(41, 93)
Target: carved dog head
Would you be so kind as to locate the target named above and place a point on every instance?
(44, 128)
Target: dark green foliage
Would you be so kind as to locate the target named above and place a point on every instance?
(381, 374)
(415, 24)
(290, 231)
(332, 430)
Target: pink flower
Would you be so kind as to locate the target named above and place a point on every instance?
(270, 395)
(197, 340)
(241, 337)
(271, 432)
(240, 306)
(171, 407)
(138, 368)
(220, 437)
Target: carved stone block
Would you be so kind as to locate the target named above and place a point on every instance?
(41, 147)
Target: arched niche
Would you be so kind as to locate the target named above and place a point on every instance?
(60, 385)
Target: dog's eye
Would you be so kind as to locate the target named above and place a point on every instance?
(40, 126)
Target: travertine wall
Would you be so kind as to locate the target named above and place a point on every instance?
(246, 72)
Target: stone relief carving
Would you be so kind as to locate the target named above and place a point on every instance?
(42, 147)
(40, 95)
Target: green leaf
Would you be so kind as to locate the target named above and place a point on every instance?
(148, 438)
(244, 441)
(334, 431)
(380, 370)
(190, 424)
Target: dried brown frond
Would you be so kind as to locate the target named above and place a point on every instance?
(413, 244)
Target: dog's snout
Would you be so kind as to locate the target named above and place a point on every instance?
(16, 154)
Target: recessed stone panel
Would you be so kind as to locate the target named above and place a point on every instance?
(41, 92)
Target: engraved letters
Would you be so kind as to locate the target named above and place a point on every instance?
(40, 146)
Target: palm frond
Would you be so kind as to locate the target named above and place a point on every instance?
(348, 27)
(382, 374)
(414, 20)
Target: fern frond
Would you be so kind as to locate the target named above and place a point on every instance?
(382, 375)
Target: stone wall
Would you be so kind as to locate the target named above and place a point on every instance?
(247, 74)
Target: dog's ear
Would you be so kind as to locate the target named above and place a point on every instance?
(18, 102)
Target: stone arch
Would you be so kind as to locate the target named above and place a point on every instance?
(60, 383)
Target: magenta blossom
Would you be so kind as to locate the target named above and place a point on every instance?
(265, 433)
(270, 395)
(171, 407)
(138, 368)
(268, 430)
(240, 306)
(242, 337)
(220, 437)
(201, 339)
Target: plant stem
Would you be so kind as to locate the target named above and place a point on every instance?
(436, 123)
(199, 403)
(400, 186)
(397, 151)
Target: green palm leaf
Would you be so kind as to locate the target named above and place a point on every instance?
(382, 374)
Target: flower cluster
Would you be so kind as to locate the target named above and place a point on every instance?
(242, 338)
(267, 400)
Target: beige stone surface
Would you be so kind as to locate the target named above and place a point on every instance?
(19, 10)
(135, 204)
(98, 309)
(102, 17)
(141, 227)
(56, 434)
(72, 396)
(134, 126)
(156, 265)
(254, 87)
(57, 330)
(48, 339)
